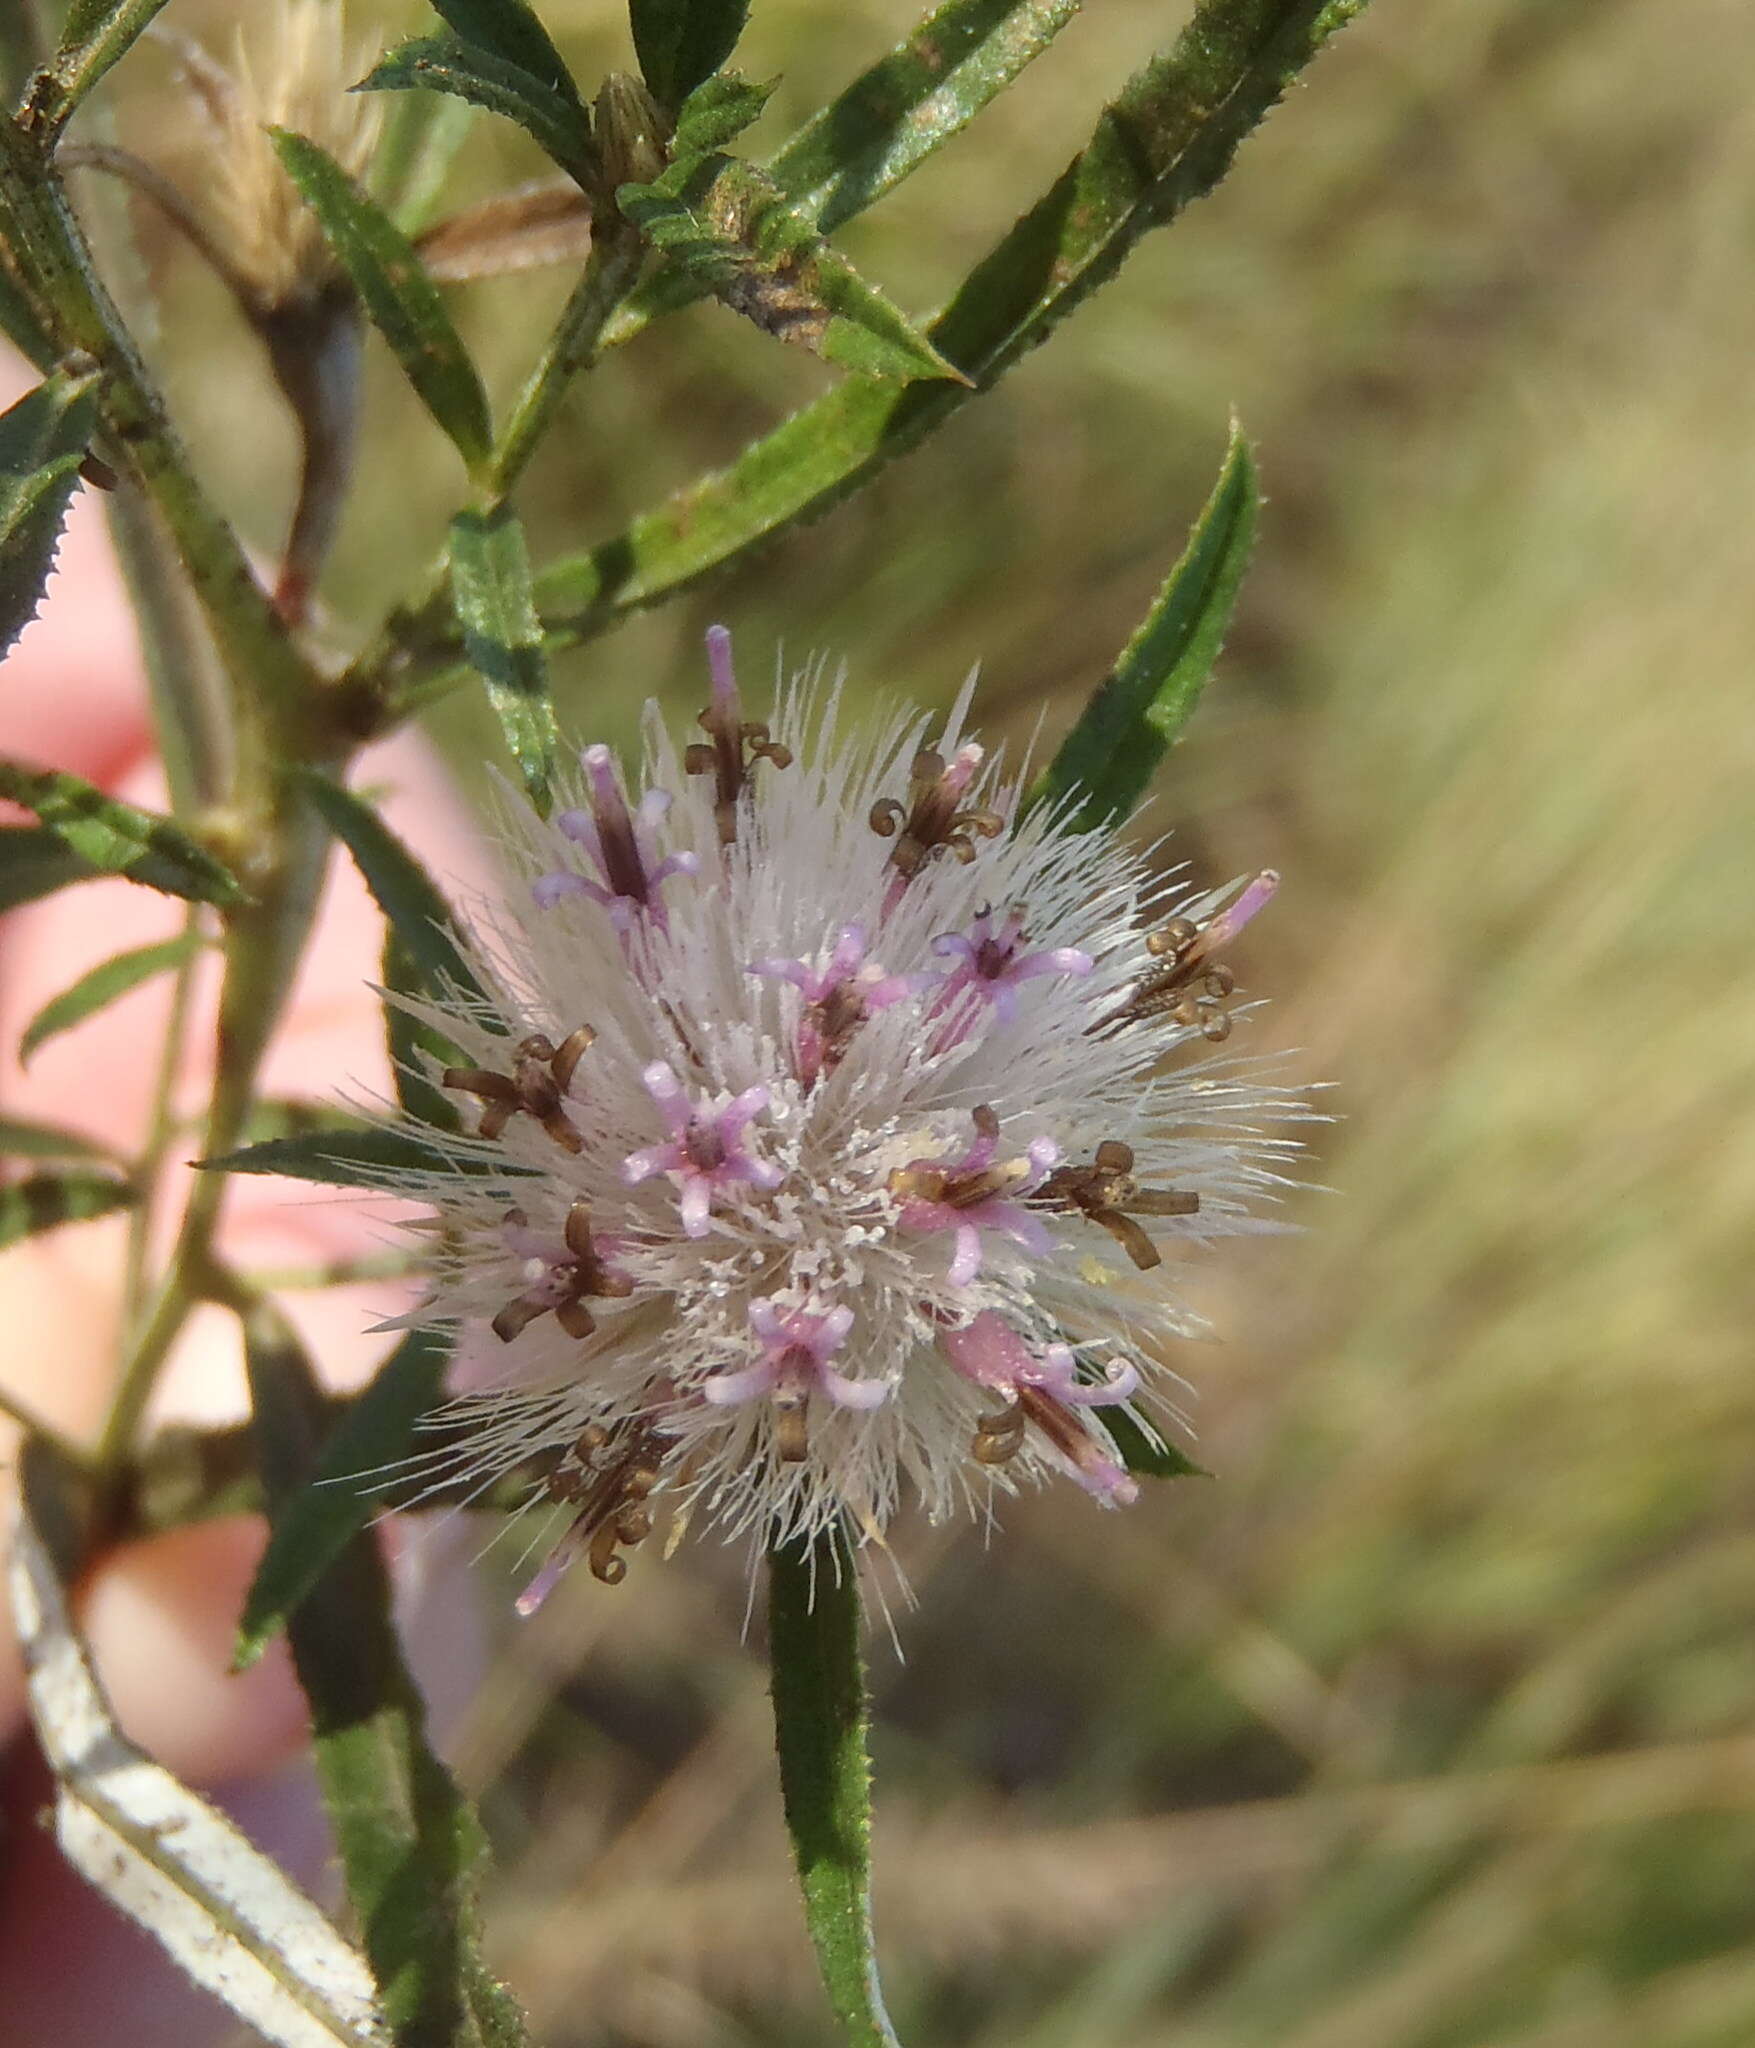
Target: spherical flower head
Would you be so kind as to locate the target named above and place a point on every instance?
(827, 1135)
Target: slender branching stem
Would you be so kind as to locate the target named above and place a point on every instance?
(160, 1130)
(573, 347)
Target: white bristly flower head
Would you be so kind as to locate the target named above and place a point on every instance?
(827, 1133)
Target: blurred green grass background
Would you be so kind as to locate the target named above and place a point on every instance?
(1427, 1722)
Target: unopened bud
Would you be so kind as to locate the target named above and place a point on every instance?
(633, 133)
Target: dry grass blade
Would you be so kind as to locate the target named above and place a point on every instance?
(172, 1863)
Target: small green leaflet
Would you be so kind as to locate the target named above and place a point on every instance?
(409, 1846)
(553, 119)
(825, 1777)
(103, 985)
(490, 586)
(1110, 755)
(97, 34)
(105, 836)
(400, 299)
(510, 30)
(727, 226)
(401, 888)
(44, 1201)
(885, 125)
(681, 43)
(376, 1156)
(407, 1037)
(911, 102)
(35, 862)
(318, 1522)
(718, 110)
(1147, 1453)
(42, 443)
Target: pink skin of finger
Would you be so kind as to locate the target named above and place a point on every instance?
(160, 1613)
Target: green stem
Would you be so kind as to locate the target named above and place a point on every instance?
(263, 944)
(573, 347)
(825, 1777)
(161, 1129)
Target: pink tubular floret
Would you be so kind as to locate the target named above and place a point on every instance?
(620, 844)
(705, 1151)
(797, 1345)
(1001, 1211)
(990, 970)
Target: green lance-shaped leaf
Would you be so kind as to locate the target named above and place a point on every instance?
(20, 1138)
(294, 1116)
(682, 42)
(35, 862)
(884, 125)
(825, 1776)
(319, 1522)
(44, 1201)
(408, 1843)
(408, 1037)
(105, 983)
(726, 225)
(400, 299)
(106, 836)
(911, 102)
(401, 888)
(552, 118)
(42, 443)
(373, 1156)
(511, 31)
(490, 585)
(97, 34)
(218, 1907)
(1110, 755)
(1166, 140)
(1146, 1453)
(717, 111)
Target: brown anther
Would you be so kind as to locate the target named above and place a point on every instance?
(999, 1438)
(836, 1020)
(536, 1087)
(735, 747)
(791, 1431)
(1108, 1194)
(1187, 989)
(933, 818)
(959, 1188)
(563, 1289)
(610, 1474)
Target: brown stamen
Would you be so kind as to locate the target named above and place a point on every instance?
(541, 1074)
(959, 1188)
(999, 1438)
(1108, 1194)
(933, 818)
(568, 1285)
(1189, 987)
(791, 1430)
(735, 747)
(610, 1476)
